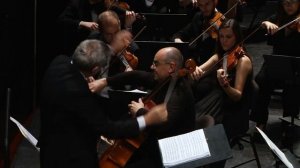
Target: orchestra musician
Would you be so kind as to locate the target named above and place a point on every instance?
(71, 118)
(109, 25)
(284, 42)
(231, 68)
(205, 46)
(79, 20)
(175, 92)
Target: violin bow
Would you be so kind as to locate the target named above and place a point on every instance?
(287, 24)
(120, 53)
(222, 15)
(239, 44)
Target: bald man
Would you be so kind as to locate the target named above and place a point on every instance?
(176, 93)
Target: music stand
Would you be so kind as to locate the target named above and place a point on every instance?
(161, 27)
(283, 156)
(284, 68)
(218, 146)
(147, 50)
(280, 67)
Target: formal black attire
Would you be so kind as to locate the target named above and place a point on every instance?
(282, 45)
(204, 48)
(72, 119)
(234, 115)
(69, 19)
(181, 116)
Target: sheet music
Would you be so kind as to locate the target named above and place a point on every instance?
(275, 149)
(25, 133)
(134, 91)
(184, 148)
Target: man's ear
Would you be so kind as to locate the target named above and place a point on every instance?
(172, 68)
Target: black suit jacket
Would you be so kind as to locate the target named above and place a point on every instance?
(203, 49)
(72, 119)
(181, 115)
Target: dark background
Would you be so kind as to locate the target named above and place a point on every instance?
(26, 48)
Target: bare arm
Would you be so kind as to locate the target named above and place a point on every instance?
(200, 70)
(244, 68)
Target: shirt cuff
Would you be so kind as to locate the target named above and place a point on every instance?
(142, 123)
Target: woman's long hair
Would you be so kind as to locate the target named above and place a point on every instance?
(282, 17)
(234, 25)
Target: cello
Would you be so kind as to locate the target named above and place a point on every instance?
(117, 154)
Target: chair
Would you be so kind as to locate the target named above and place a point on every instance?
(245, 136)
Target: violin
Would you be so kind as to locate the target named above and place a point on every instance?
(233, 56)
(127, 58)
(216, 22)
(122, 7)
(131, 59)
(295, 25)
(117, 155)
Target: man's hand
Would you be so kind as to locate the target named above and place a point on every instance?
(135, 106)
(92, 26)
(185, 3)
(178, 40)
(97, 85)
(130, 18)
(156, 115)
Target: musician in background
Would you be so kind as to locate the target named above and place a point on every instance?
(175, 92)
(109, 25)
(109, 32)
(72, 119)
(204, 47)
(231, 67)
(79, 20)
(285, 42)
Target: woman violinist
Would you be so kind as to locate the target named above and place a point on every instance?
(231, 75)
(285, 41)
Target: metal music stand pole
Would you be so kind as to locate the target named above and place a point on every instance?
(6, 130)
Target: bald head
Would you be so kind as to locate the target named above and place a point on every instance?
(108, 19)
(109, 25)
(172, 54)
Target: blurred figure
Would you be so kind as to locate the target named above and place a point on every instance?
(203, 47)
(72, 118)
(284, 42)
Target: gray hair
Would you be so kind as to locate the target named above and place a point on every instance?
(91, 53)
(173, 54)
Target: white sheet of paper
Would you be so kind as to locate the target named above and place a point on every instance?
(26, 133)
(276, 150)
(184, 148)
(135, 91)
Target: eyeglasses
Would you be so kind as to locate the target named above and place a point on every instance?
(156, 63)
